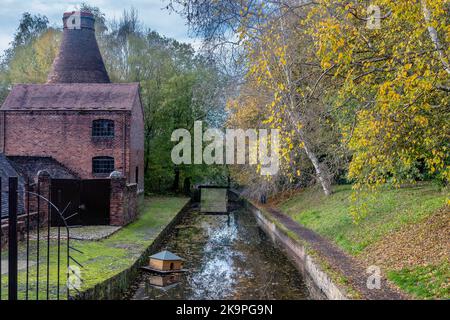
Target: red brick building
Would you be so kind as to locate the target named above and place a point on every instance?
(80, 119)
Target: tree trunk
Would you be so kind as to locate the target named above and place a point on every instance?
(321, 172)
(321, 169)
(187, 186)
(147, 161)
(147, 151)
(176, 181)
(434, 38)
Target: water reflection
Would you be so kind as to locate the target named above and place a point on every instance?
(217, 276)
(164, 282)
(228, 257)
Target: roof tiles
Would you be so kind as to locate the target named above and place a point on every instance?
(73, 96)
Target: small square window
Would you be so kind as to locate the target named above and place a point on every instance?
(103, 128)
(102, 165)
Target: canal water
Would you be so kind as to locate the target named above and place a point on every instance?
(227, 257)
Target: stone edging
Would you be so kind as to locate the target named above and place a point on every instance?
(325, 266)
(319, 283)
(114, 287)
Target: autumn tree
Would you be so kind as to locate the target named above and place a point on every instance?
(383, 92)
(394, 80)
(30, 55)
(178, 87)
(281, 66)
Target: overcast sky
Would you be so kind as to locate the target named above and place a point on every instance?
(151, 13)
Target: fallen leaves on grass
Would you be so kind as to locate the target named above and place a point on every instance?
(421, 244)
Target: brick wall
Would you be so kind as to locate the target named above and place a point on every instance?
(124, 202)
(67, 137)
(31, 207)
(137, 146)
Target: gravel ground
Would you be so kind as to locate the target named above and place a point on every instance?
(81, 233)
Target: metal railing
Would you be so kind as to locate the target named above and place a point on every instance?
(42, 250)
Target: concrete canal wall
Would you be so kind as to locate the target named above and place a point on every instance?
(318, 281)
(116, 286)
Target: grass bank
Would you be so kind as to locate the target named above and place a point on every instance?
(404, 231)
(105, 258)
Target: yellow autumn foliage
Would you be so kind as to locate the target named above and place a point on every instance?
(394, 75)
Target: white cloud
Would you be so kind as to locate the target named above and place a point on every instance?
(151, 13)
(4, 42)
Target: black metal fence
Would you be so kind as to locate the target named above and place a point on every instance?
(36, 258)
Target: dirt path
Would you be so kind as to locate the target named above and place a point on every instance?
(349, 267)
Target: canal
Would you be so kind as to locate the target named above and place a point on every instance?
(227, 257)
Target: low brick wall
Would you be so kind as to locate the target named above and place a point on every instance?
(131, 202)
(123, 203)
(116, 286)
(21, 226)
(319, 283)
(32, 205)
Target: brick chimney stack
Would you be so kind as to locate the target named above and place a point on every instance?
(79, 59)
